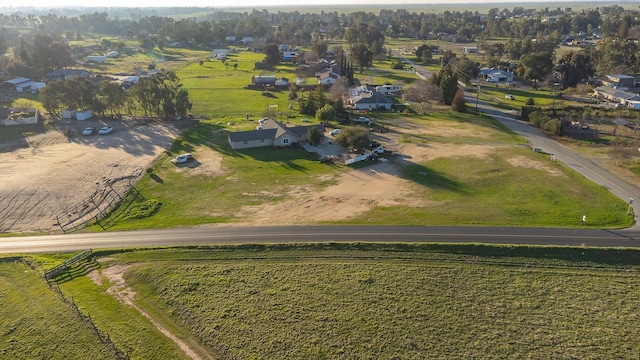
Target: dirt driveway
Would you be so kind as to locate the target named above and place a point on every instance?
(60, 168)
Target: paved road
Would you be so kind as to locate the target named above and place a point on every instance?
(292, 234)
(573, 160)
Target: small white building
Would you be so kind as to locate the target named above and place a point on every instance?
(219, 54)
(68, 114)
(84, 115)
(97, 58)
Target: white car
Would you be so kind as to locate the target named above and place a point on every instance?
(87, 131)
(509, 97)
(378, 150)
(363, 120)
(105, 130)
(335, 132)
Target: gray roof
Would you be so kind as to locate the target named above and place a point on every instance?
(621, 76)
(618, 94)
(374, 99)
(271, 129)
(17, 81)
(251, 135)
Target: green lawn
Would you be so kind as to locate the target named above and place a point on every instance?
(343, 301)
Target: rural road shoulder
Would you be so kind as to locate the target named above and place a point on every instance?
(570, 158)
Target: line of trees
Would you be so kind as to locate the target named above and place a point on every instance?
(160, 95)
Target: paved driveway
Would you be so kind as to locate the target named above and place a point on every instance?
(326, 149)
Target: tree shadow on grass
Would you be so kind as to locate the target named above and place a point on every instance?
(428, 177)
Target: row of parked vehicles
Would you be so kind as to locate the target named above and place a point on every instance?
(102, 131)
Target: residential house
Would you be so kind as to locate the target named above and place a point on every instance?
(499, 76)
(266, 81)
(290, 55)
(622, 97)
(327, 78)
(65, 74)
(365, 97)
(270, 133)
(619, 81)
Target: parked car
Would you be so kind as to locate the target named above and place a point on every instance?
(363, 120)
(105, 130)
(378, 150)
(182, 158)
(87, 131)
(509, 97)
(335, 132)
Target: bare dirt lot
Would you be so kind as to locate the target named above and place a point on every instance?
(47, 173)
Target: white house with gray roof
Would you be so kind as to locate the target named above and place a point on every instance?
(271, 133)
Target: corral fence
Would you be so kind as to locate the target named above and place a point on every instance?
(65, 266)
(106, 197)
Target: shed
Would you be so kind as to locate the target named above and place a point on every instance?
(68, 113)
(84, 115)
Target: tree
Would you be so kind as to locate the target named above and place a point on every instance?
(423, 93)
(574, 67)
(448, 85)
(162, 95)
(183, 104)
(314, 135)
(353, 137)
(536, 66)
(458, 104)
(361, 54)
(326, 113)
(467, 68)
(320, 48)
(114, 97)
(272, 54)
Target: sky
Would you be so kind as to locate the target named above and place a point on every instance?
(250, 3)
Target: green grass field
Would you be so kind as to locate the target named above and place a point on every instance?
(345, 301)
(36, 324)
(485, 190)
